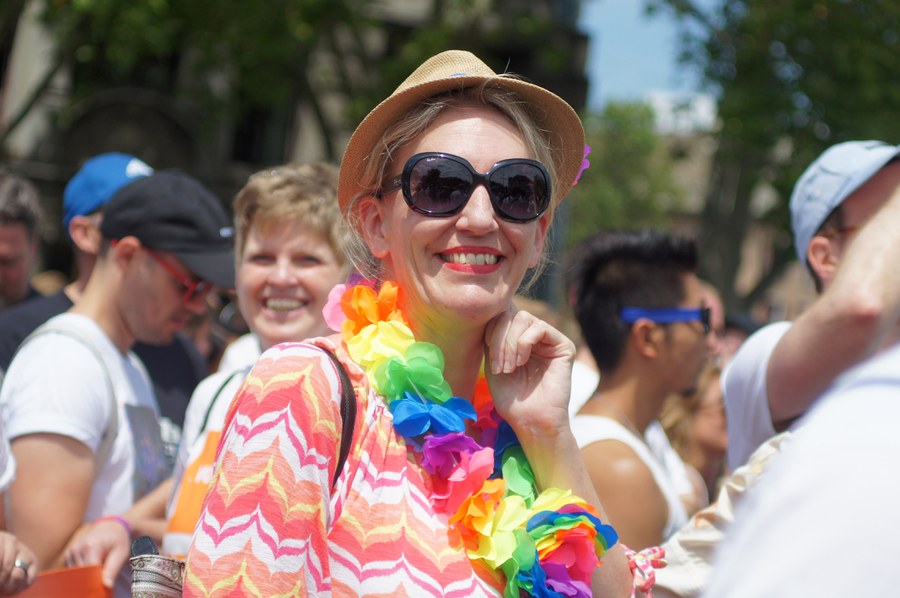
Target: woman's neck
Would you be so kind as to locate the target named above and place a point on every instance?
(463, 350)
(461, 340)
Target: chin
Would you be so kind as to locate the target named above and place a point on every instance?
(475, 296)
(472, 308)
(158, 339)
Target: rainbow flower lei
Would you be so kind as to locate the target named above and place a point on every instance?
(546, 544)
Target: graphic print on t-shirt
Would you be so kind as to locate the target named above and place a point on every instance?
(151, 467)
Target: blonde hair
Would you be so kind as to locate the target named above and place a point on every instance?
(678, 412)
(293, 192)
(411, 124)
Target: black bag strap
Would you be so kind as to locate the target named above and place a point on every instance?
(348, 414)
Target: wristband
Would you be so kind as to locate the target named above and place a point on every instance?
(117, 519)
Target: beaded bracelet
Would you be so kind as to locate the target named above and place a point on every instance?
(118, 519)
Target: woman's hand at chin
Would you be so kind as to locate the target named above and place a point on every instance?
(529, 371)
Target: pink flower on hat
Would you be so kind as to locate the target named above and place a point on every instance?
(585, 164)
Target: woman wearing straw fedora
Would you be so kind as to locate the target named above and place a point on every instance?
(462, 477)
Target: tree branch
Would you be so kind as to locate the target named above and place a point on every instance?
(782, 258)
(33, 98)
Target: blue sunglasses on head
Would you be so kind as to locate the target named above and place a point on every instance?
(667, 315)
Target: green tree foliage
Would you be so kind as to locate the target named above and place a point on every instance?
(230, 56)
(792, 77)
(629, 182)
(239, 56)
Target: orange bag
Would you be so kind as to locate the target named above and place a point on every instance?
(84, 582)
(194, 486)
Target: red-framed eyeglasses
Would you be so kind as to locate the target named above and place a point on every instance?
(193, 287)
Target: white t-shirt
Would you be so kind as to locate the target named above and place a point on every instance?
(56, 385)
(205, 413)
(240, 353)
(671, 461)
(748, 417)
(7, 462)
(589, 429)
(823, 521)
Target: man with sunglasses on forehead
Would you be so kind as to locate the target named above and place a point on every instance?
(640, 307)
(78, 405)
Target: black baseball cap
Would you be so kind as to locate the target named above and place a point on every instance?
(171, 211)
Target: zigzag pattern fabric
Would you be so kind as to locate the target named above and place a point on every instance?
(287, 532)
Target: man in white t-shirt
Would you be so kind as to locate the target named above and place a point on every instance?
(77, 404)
(783, 367)
(18, 566)
(291, 252)
(823, 520)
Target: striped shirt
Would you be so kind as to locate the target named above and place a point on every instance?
(272, 525)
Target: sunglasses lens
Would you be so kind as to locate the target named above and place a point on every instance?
(438, 185)
(519, 191)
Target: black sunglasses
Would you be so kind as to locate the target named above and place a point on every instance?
(437, 184)
(667, 315)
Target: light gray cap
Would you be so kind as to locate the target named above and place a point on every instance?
(829, 180)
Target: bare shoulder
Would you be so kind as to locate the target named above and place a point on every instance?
(628, 491)
(617, 461)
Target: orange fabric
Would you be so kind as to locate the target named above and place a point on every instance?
(194, 485)
(84, 582)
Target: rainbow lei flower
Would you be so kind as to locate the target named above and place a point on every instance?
(546, 544)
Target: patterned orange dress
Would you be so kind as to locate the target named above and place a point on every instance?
(272, 525)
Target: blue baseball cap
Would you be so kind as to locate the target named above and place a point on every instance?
(831, 179)
(97, 181)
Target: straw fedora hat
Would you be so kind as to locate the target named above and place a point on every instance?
(452, 70)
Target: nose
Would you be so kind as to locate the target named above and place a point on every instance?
(282, 273)
(478, 214)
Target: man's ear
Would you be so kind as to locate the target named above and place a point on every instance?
(823, 258)
(124, 250)
(646, 337)
(374, 225)
(85, 234)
